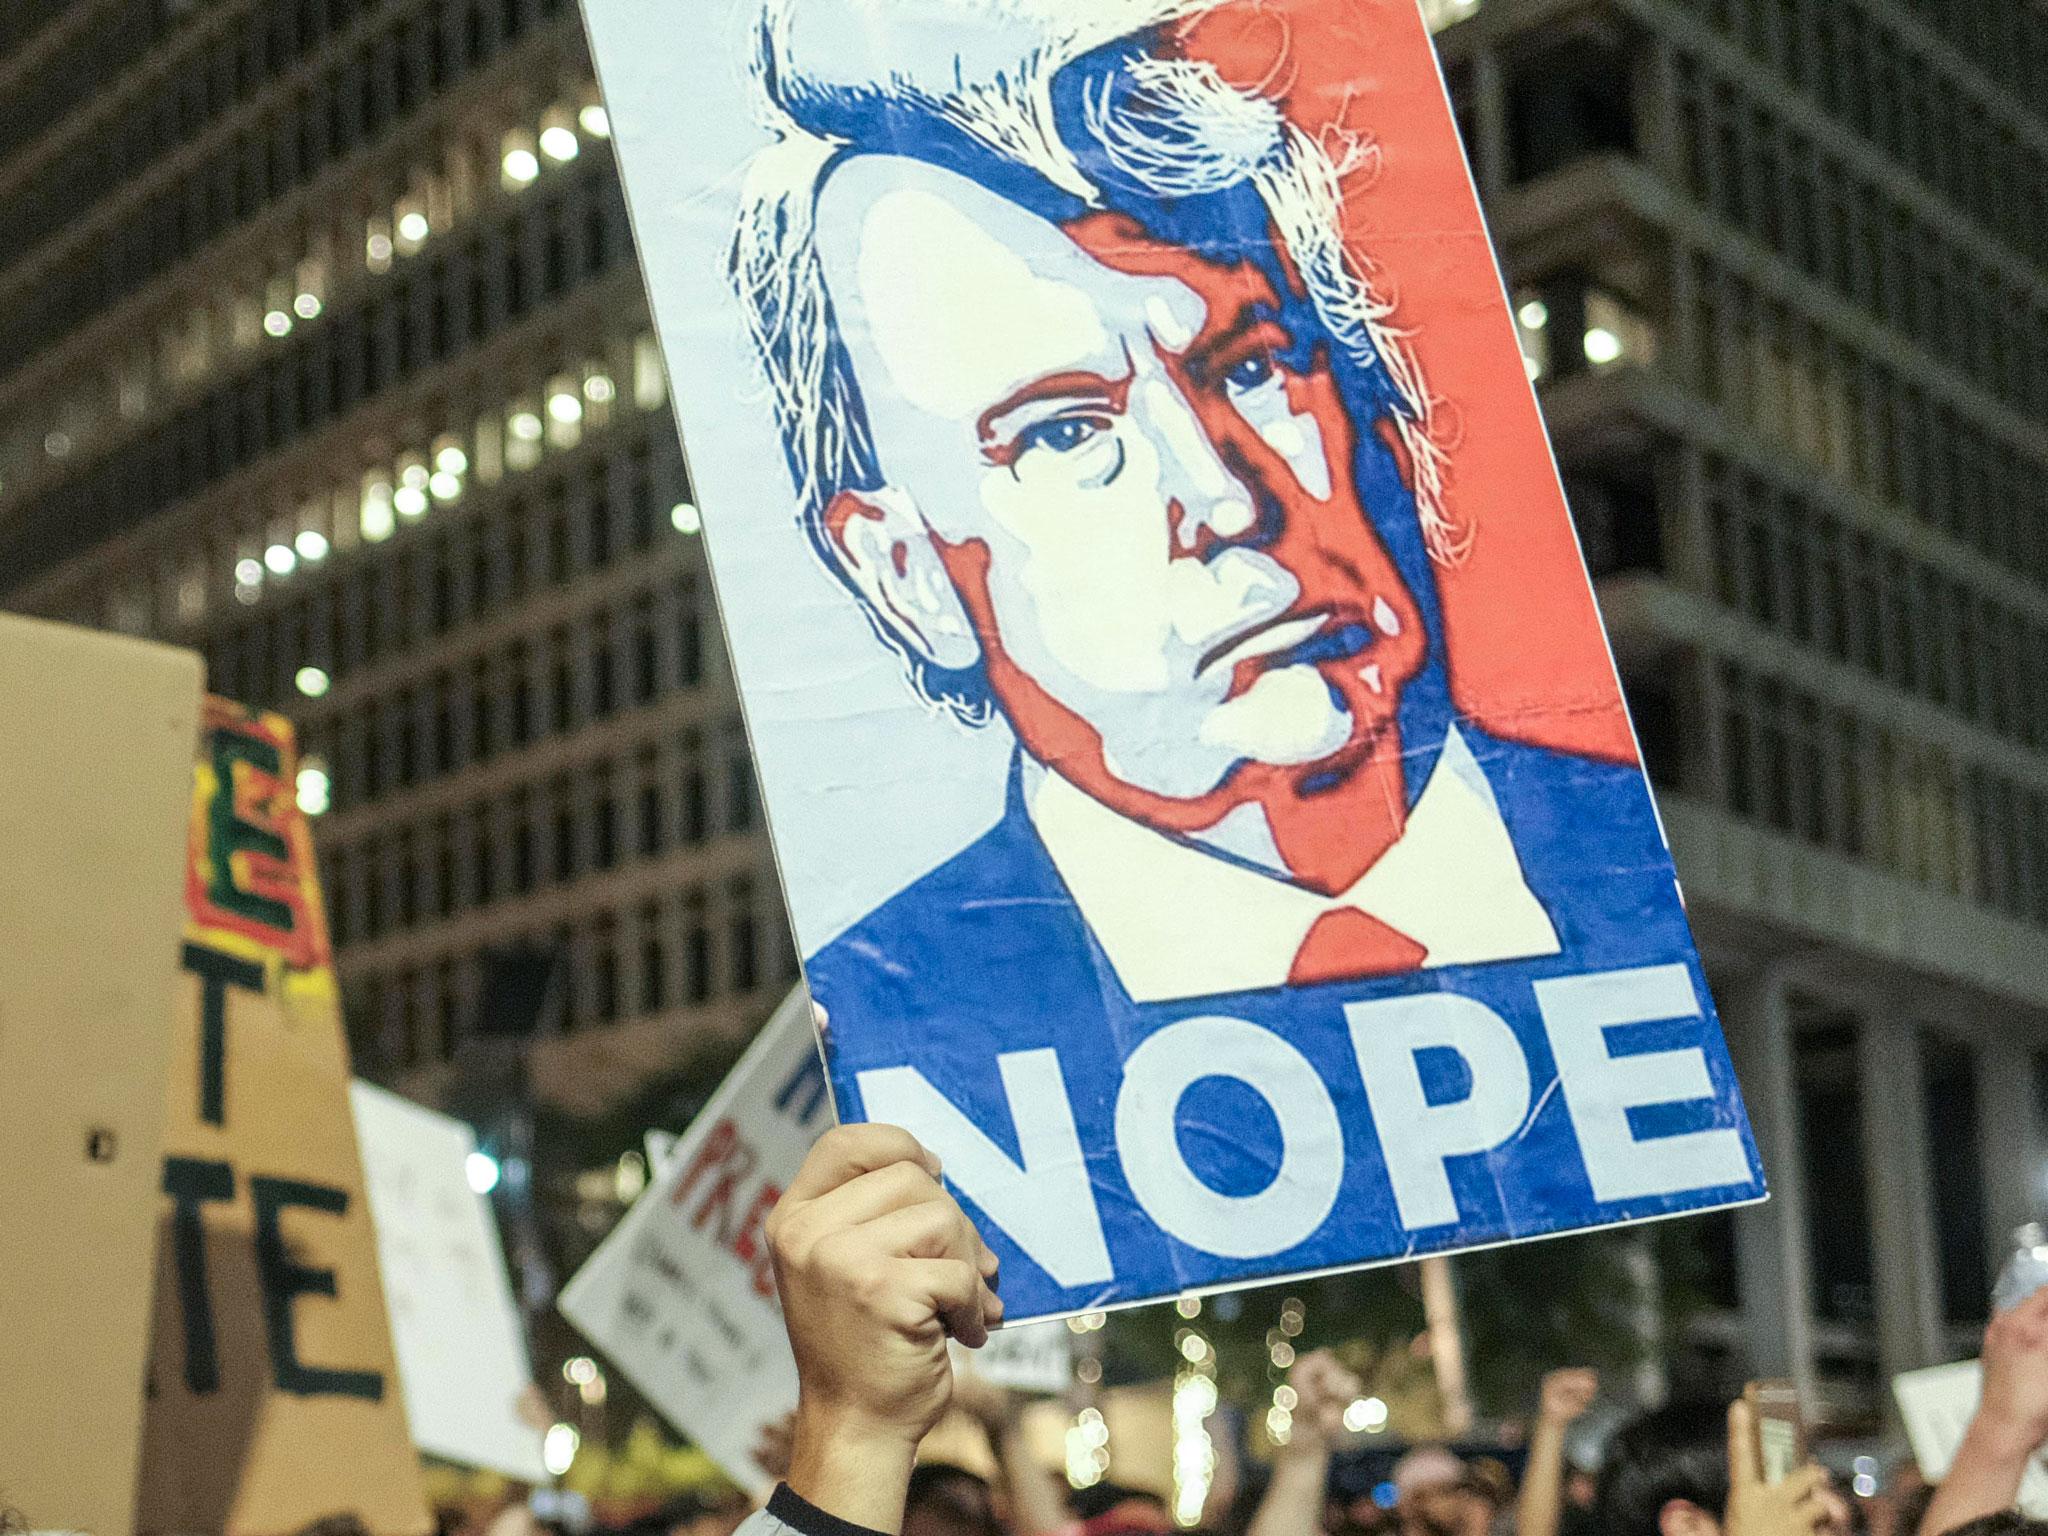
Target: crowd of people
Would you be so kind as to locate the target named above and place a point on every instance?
(879, 1268)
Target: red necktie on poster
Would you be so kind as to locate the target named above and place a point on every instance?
(1347, 944)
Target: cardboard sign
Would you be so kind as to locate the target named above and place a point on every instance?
(95, 777)
(1205, 797)
(460, 1340)
(681, 1296)
(274, 1392)
(1937, 1406)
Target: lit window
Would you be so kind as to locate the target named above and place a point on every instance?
(1602, 346)
(316, 789)
(559, 143)
(307, 306)
(444, 486)
(378, 520)
(520, 164)
(599, 389)
(565, 407)
(313, 682)
(1616, 333)
(1534, 315)
(686, 518)
(449, 459)
(248, 573)
(280, 559)
(523, 431)
(414, 473)
(650, 384)
(377, 247)
(410, 500)
(277, 323)
(311, 546)
(490, 449)
(595, 121)
(413, 228)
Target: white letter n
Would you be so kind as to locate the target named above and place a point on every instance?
(1046, 1205)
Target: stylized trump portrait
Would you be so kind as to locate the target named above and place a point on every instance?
(1113, 440)
(1142, 381)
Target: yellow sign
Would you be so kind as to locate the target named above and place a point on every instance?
(274, 1395)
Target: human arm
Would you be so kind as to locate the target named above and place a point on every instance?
(1796, 1506)
(2011, 1422)
(1293, 1502)
(1566, 1395)
(876, 1266)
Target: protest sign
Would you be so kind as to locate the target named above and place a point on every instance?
(1033, 1357)
(274, 1397)
(681, 1297)
(461, 1343)
(96, 762)
(1181, 828)
(1937, 1405)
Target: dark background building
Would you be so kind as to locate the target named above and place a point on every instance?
(322, 350)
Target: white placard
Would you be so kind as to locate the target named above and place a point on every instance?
(1937, 1405)
(681, 1297)
(461, 1347)
(1038, 1358)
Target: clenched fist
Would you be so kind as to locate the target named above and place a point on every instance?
(877, 1266)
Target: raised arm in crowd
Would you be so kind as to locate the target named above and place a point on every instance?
(2010, 1425)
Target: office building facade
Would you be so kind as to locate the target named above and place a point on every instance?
(1781, 270)
(327, 355)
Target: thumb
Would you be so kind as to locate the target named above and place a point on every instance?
(1744, 1468)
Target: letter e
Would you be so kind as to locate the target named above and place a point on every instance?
(1601, 1088)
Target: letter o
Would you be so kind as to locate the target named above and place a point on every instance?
(1304, 1188)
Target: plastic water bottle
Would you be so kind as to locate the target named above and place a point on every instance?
(2025, 1272)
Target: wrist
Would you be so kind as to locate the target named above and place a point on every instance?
(851, 1465)
(1308, 1450)
(2003, 1437)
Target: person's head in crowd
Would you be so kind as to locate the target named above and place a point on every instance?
(694, 1514)
(1436, 1495)
(335, 1525)
(2008, 1522)
(949, 1501)
(1112, 1509)
(1667, 1474)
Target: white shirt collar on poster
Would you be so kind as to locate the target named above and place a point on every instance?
(1176, 922)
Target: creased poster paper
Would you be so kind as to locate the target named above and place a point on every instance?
(1204, 796)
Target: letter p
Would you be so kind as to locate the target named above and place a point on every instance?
(1418, 1137)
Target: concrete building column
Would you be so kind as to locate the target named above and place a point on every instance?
(1772, 1263)
(1898, 1190)
(1490, 126)
(2015, 1161)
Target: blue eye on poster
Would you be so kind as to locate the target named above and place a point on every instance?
(1201, 784)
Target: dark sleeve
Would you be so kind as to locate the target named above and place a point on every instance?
(800, 1515)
